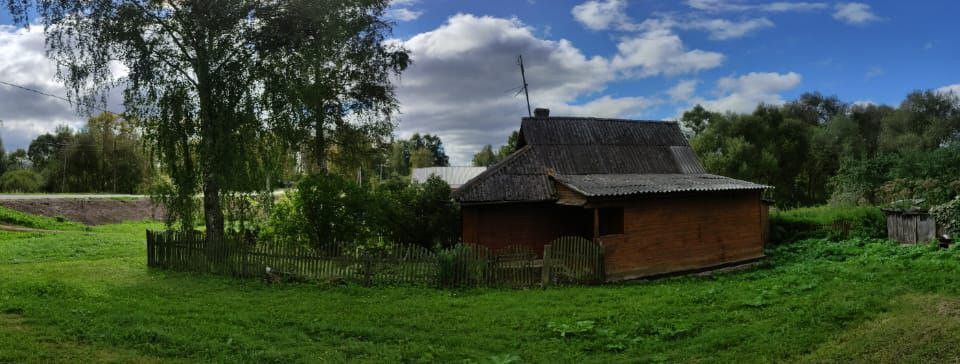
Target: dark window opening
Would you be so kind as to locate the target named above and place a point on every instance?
(611, 220)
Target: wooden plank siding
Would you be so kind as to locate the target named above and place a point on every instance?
(673, 233)
(528, 224)
(662, 233)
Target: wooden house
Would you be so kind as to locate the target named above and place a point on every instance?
(636, 187)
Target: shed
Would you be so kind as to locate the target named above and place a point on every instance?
(636, 187)
(453, 176)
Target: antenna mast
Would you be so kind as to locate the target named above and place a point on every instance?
(524, 77)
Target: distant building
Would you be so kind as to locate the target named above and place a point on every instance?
(453, 176)
(635, 187)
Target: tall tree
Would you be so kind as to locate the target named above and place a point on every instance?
(511, 145)
(485, 157)
(210, 78)
(697, 119)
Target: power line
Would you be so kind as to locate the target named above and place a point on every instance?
(61, 98)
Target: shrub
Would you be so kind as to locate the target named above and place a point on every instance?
(21, 181)
(832, 222)
(327, 208)
(461, 265)
(422, 214)
(948, 216)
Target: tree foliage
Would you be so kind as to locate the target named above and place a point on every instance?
(218, 82)
(817, 148)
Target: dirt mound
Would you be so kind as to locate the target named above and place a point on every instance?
(90, 211)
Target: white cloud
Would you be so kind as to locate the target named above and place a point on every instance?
(602, 14)
(790, 6)
(743, 94)
(683, 90)
(954, 88)
(400, 10)
(661, 52)
(855, 13)
(609, 107)
(611, 14)
(734, 5)
(26, 114)
(721, 29)
(874, 72)
(403, 14)
(458, 84)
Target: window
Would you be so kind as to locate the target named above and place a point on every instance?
(611, 220)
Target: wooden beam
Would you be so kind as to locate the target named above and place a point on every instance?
(596, 224)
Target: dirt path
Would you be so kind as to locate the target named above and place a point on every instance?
(21, 229)
(92, 211)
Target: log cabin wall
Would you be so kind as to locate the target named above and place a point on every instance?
(531, 224)
(680, 232)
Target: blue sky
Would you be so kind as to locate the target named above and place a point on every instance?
(647, 59)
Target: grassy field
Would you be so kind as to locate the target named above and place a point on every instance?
(84, 294)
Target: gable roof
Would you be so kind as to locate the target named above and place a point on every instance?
(453, 176)
(572, 146)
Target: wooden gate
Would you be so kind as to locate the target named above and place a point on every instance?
(572, 260)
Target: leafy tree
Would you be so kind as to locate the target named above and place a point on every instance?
(21, 181)
(421, 158)
(925, 120)
(814, 108)
(17, 160)
(485, 157)
(417, 152)
(211, 79)
(511, 145)
(697, 119)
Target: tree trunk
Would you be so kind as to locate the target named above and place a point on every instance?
(212, 212)
(210, 153)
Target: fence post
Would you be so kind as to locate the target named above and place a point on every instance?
(150, 259)
(545, 270)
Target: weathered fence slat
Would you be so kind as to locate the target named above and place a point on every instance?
(566, 260)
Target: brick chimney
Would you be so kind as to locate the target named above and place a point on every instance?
(541, 113)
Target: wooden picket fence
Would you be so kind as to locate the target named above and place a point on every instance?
(566, 261)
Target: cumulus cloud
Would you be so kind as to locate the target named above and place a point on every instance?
(743, 93)
(855, 13)
(734, 5)
(459, 85)
(400, 10)
(602, 14)
(722, 29)
(403, 14)
(27, 114)
(954, 88)
(683, 90)
(661, 52)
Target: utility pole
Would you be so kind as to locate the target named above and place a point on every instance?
(524, 77)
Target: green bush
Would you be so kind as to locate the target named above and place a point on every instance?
(461, 266)
(324, 209)
(422, 214)
(948, 216)
(831, 222)
(21, 181)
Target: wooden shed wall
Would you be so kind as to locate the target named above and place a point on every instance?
(532, 224)
(673, 233)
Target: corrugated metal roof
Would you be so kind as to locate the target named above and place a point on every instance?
(453, 176)
(582, 146)
(601, 185)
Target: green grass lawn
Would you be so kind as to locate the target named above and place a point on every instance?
(86, 295)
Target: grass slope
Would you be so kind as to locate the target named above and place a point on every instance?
(87, 294)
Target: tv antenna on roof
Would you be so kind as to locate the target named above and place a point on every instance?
(524, 77)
